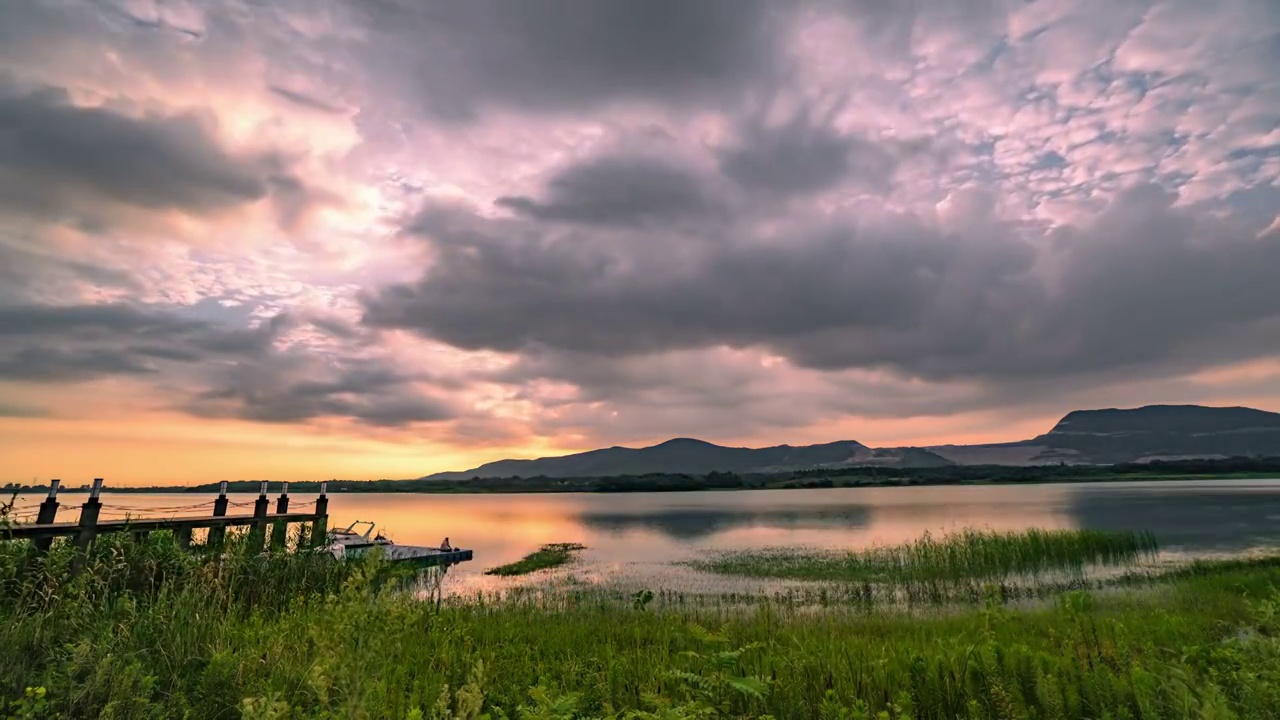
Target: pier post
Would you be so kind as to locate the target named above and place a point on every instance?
(259, 530)
(183, 536)
(218, 532)
(280, 530)
(320, 526)
(88, 526)
(48, 511)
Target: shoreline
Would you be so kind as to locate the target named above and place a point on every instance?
(539, 486)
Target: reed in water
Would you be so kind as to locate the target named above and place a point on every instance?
(963, 556)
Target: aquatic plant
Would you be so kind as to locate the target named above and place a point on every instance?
(966, 555)
(545, 557)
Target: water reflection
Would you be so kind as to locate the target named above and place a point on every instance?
(694, 524)
(645, 534)
(1195, 518)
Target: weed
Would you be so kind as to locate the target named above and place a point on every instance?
(545, 557)
(147, 631)
(966, 555)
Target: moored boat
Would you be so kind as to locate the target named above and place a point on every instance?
(349, 542)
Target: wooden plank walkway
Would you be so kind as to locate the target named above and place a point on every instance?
(68, 529)
(45, 529)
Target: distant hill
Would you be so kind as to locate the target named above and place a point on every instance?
(1154, 432)
(1164, 431)
(696, 457)
(1082, 437)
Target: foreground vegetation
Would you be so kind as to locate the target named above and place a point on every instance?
(834, 477)
(544, 558)
(148, 631)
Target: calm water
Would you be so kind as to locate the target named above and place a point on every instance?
(638, 537)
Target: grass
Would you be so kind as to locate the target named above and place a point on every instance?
(966, 555)
(545, 557)
(147, 631)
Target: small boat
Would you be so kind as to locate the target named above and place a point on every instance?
(348, 542)
(351, 543)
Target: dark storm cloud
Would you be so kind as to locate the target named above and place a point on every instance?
(338, 328)
(146, 333)
(603, 275)
(617, 191)
(10, 410)
(46, 364)
(890, 28)
(621, 295)
(805, 155)
(64, 161)
(1142, 286)
(103, 320)
(307, 101)
(83, 342)
(457, 57)
(250, 376)
(284, 390)
(30, 271)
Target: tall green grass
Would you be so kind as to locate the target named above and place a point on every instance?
(966, 555)
(150, 632)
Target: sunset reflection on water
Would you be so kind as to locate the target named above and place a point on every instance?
(644, 536)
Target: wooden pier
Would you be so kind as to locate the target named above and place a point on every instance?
(261, 524)
(45, 528)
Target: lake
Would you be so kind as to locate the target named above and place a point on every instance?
(638, 538)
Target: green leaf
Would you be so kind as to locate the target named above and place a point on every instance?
(748, 685)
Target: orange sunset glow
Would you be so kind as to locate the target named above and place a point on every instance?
(297, 242)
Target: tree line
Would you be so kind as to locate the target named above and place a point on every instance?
(812, 478)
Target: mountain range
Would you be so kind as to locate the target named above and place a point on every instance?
(1082, 437)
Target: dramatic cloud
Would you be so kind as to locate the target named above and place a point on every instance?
(805, 154)
(66, 161)
(617, 191)
(504, 286)
(249, 374)
(511, 227)
(27, 273)
(293, 389)
(457, 58)
(1141, 283)
(135, 333)
(86, 342)
(19, 411)
(306, 101)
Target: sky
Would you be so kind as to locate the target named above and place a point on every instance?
(308, 239)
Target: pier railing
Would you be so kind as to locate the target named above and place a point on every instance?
(46, 527)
